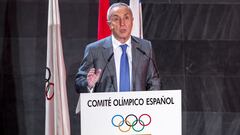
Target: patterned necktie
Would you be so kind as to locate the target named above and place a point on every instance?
(124, 70)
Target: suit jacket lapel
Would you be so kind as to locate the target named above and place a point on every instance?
(135, 61)
(107, 51)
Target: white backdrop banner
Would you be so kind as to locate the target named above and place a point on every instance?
(131, 113)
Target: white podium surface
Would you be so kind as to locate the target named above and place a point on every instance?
(131, 113)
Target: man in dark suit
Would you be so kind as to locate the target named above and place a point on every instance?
(101, 70)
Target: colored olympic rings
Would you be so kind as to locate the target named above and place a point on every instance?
(131, 121)
(48, 74)
(49, 91)
(49, 88)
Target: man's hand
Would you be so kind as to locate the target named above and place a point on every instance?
(93, 76)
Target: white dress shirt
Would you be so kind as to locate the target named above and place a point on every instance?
(117, 50)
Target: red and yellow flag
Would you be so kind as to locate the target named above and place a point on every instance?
(103, 28)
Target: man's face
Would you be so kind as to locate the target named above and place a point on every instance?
(121, 22)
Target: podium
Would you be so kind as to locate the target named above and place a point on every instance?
(131, 113)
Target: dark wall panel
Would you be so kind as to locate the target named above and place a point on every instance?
(211, 21)
(162, 21)
(172, 62)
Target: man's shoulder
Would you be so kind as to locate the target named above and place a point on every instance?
(140, 40)
(142, 43)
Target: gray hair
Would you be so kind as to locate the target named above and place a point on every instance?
(120, 4)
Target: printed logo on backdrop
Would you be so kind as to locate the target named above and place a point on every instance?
(49, 93)
(131, 122)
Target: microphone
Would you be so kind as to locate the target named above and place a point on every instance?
(154, 64)
(108, 60)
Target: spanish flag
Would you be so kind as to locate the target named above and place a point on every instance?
(103, 29)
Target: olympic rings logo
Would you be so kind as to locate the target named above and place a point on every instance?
(49, 93)
(131, 121)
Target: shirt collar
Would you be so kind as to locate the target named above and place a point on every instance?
(116, 43)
